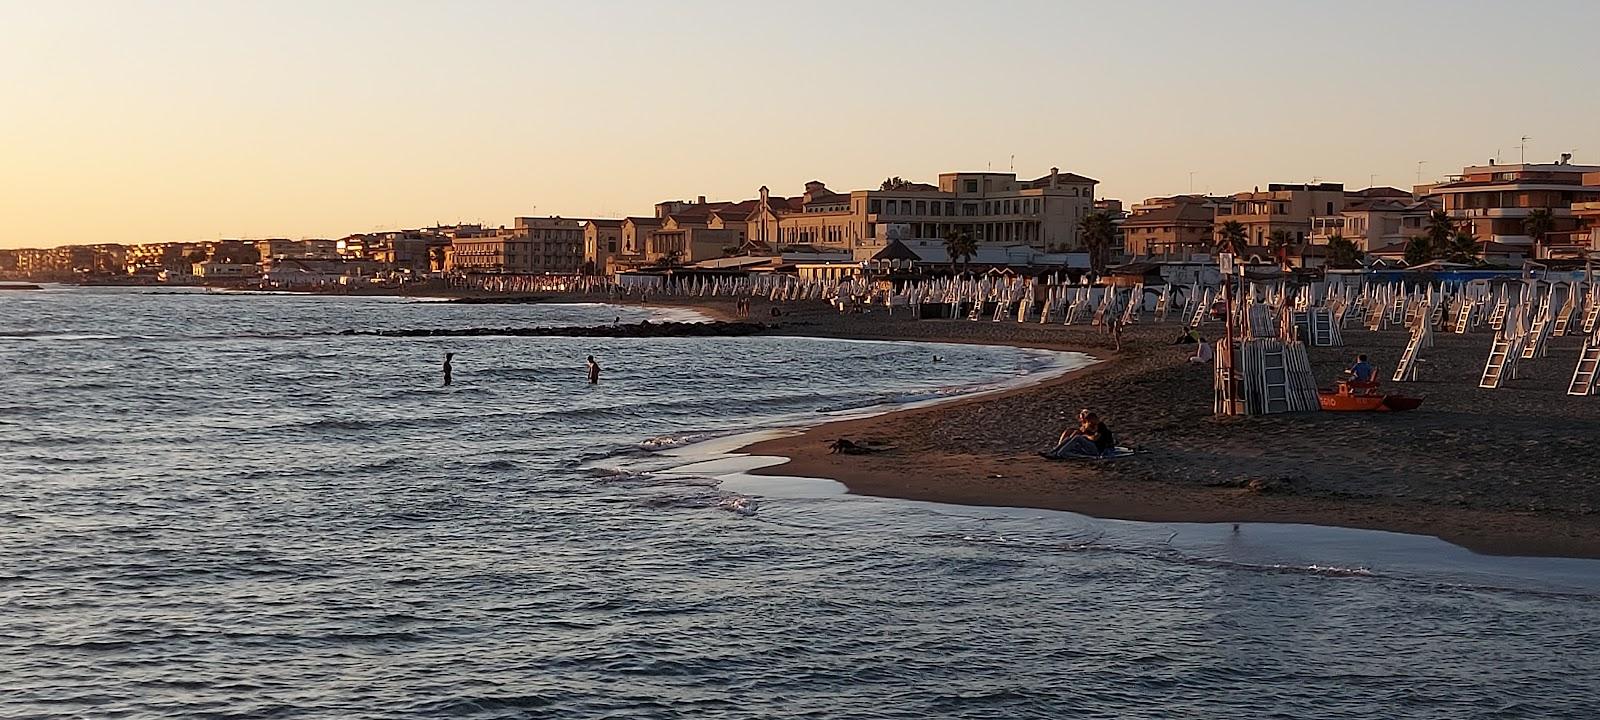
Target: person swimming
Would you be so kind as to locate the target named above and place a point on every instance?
(447, 368)
(594, 371)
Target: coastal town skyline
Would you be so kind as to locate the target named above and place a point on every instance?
(319, 123)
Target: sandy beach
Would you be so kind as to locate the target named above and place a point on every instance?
(1509, 471)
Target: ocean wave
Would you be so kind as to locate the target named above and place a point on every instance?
(681, 439)
(48, 335)
(53, 336)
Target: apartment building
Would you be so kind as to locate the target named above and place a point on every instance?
(282, 248)
(1493, 201)
(1375, 218)
(1177, 226)
(1283, 206)
(1584, 237)
(532, 245)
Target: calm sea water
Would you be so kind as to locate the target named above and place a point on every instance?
(212, 508)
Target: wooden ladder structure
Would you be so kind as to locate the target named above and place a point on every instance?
(1135, 307)
(1500, 360)
(1163, 303)
(1376, 317)
(1406, 371)
(1321, 327)
(1569, 308)
(1537, 337)
(1200, 310)
(1497, 320)
(1274, 380)
(1464, 318)
(1591, 317)
(1583, 376)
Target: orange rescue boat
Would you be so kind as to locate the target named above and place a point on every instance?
(1353, 396)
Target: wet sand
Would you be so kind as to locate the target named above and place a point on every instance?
(1510, 471)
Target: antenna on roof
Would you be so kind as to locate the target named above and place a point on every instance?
(1524, 148)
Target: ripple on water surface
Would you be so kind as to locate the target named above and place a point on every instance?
(211, 508)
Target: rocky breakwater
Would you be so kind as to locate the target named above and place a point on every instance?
(639, 330)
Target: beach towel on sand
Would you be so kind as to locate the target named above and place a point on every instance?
(1112, 454)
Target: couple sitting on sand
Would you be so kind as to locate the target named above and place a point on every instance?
(1091, 439)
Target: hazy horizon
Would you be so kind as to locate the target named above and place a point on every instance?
(172, 121)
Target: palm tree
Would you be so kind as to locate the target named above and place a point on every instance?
(1279, 241)
(1537, 225)
(1232, 238)
(958, 243)
(1419, 250)
(1343, 253)
(1464, 248)
(1097, 231)
(1440, 229)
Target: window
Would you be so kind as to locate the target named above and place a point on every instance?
(949, 208)
(972, 186)
(875, 207)
(922, 207)
(988, 208)
(1330, 209)
(934, 206)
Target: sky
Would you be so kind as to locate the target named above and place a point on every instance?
(140, 121)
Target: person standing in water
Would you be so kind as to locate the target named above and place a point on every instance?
(594, 371)
(447, 357)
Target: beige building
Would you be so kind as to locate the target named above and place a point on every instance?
(1375, 218)
(1283, 207)
(1178, 226)
(555, 244)
(636, 235)
(533, 245)
(991, 207)
(602, 240)
(315, 249)
(686, 237)
(1493, 201)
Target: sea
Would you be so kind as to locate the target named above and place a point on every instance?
(216, 505)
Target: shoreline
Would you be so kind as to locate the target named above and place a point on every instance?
(1157, 485)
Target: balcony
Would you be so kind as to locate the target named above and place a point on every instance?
(1505, 212)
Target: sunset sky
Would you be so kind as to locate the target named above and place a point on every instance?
(133, 121)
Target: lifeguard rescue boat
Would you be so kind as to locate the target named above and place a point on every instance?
(1352, 396)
